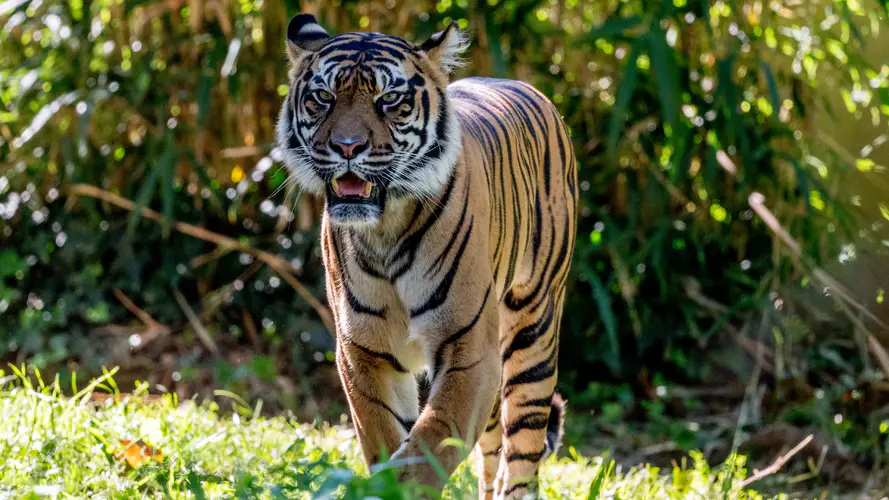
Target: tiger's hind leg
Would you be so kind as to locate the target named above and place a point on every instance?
(488, 451)
(531, 428)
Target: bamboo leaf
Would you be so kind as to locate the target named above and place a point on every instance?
(622, 100)
(168, 181)
(773, 89)
(603, 302)
(666, 74)
(146, 192)
(142, 198)
(613, 27)
(204, 88)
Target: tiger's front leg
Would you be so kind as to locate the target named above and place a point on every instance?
(464, 373)
(382, 394)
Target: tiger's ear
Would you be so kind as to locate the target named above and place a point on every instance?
(304, 34)
(446, 47)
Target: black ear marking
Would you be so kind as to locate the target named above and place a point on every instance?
(437, 38)
(446, 47)
(305, 33)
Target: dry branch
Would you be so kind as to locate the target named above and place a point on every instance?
(778, 463)
(196, 324)
(280, 265)
(143, 316)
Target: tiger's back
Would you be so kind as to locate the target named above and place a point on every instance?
(514, 137)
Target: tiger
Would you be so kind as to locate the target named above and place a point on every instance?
(447, 234)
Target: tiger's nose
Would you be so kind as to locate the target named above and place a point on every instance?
(348, 147)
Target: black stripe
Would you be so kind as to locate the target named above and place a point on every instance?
(530, 457)
(358, 307)
(453, 338)
(439, 261)
(457, 369)
(531, 421)
(523, 484)
(540, 402)
(444, 287)
(406, 424)
(515, 303)
(353, 301)
(529, 335)
(407, 250)
(385, 356)
(352, 48)
(537, 373)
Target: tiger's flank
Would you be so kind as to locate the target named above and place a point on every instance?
(447, 234)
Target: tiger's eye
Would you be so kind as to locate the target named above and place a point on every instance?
(390, 97)
(325, 95)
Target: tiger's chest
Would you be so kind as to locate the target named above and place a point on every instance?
(390, 298)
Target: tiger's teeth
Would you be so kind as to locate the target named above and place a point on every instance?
(336, 187)
(368, 186)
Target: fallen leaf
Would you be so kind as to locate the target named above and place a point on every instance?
(137, 452)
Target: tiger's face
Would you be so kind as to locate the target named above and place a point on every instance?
(366, 119)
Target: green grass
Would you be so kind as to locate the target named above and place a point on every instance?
(53, 446)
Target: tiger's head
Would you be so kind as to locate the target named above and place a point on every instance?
(366, 118)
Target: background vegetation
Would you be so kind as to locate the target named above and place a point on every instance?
(729, 281)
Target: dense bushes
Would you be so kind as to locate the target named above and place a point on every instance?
(679, 112)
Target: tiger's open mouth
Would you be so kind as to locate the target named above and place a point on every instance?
(353, 200)
(350, 186)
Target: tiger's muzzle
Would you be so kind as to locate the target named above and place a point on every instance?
(354, 201)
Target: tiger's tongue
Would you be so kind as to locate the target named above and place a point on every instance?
(351, 185)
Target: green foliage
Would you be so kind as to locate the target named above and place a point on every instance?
(73, 449)
(679, 111)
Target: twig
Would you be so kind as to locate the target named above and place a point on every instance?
(143, 316)
(205, 258)
(182, 227)
(778, 463)
(212, 300)
(250, 327)
(754, 347)
(880, 353)
(726, 163)
(241, 152)
(199, 329)
(748, 403)
(322, 311)
(280, 265)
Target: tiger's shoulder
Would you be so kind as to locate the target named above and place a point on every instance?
(498, 92)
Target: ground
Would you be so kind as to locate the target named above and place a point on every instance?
(100, 443)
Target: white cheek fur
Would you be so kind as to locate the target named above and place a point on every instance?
(429, 180)
(296, 163)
